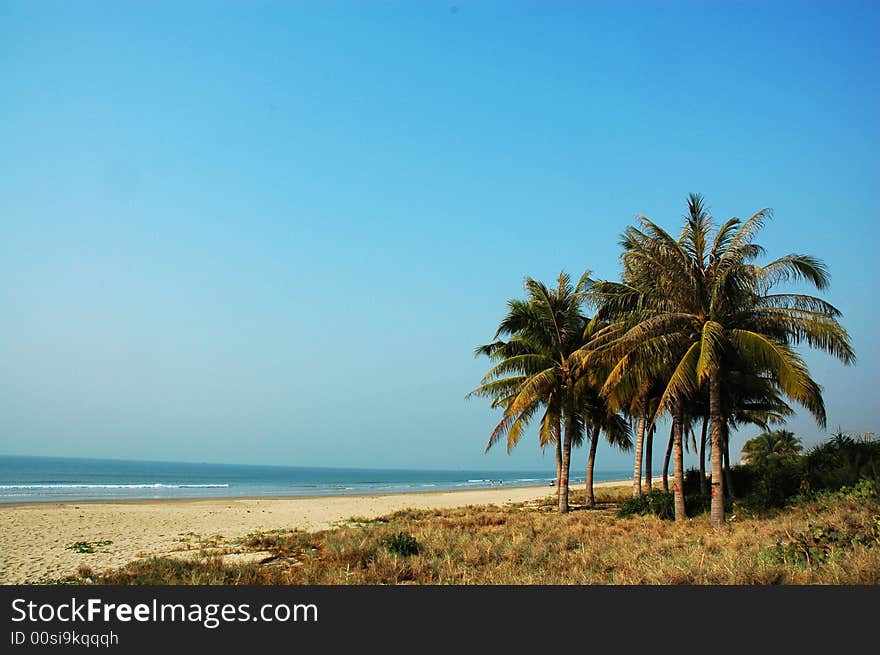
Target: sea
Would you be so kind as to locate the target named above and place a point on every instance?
(56, 479)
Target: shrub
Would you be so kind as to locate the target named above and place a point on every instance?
(772, 483)
(691, 482)
(820, 543)
(87, 546)
(866, 489)
(656, 502)
(842, 462)
(839, 464)
(662, 504)
(402, 543)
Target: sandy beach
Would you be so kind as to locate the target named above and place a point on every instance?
(34, 538)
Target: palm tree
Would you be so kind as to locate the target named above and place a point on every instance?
(770, 446)
(631, 397)
(517, 359)
(643, 368)
(655, 388)
(668, 457)
(702, 303)
(679, 427)
(600, 417)
(535, 371)
(649, 454)
(639, 412)
(617, 434)
(641, 409)
(749, 399)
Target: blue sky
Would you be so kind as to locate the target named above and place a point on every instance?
(273, 232)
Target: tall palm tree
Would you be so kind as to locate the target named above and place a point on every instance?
(642, 370)
(704, 303)
(630, 397)
(748, 399)
(598, 414)
(649, 455)
(640, 406)
(600, 417)
(639, 412)
(668, 457)
(617, 433)
(516, 360)
(535, 371)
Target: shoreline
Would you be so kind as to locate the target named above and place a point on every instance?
(36, 539)
(377, 494)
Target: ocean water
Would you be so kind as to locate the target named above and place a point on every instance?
(42, 479)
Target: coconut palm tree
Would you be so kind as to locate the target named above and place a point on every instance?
(640, 408)
(702, 303)
(516, 360)
(617, 433)
(649, 454)
(749, 399)
(600, 417)
(642, 369)
(768, 446)
(667, 457)
(630, 398)
(535, 371)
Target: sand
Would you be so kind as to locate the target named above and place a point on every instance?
(34, 538)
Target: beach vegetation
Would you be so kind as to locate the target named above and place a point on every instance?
(828, 537)
(87, 546)
(655, 502)
(402, 543)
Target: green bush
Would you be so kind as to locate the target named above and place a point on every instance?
(821, 543)
(402, 543)
(692, 482)
(839, 464)
(865, 489)
(772, 483)
(656, 502)
(662, 504)
(842, 462)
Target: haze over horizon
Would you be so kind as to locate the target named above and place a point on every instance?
(274, 233)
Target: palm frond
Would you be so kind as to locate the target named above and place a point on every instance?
(794, 268)
(711, 350)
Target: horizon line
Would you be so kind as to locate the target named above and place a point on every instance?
(301, 466)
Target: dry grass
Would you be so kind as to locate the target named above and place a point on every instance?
(530, 544)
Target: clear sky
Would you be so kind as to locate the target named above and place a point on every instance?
(273, 232)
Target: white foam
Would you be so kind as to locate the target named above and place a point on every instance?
(114, 486)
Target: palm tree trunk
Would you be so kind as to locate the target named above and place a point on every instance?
(558, 462)
(566, 462)
(591, 460)
(704, 486)
(637, 467)
(649, 454)
(716, 512)
(728, 476)
(678, 468)
(666, 459)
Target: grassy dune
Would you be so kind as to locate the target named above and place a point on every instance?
(832, 540)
